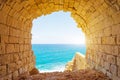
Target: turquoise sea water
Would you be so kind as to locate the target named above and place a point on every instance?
(53, 57)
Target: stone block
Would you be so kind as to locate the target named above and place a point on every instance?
(10, 48)
(108, 31)
(109, 75)
(21, 40)
(21, 70)
(119, 71)
(115, 29)
(108, 49)
(112, 50)
(118, 39)
(11, 67)
(99, 40)
(13, 39)
(5, 59)
(8, 77)
(2, 48)
(116, 17)
(15, 57)
(4, 29)
(19, 64)
(3, 16)
(15, 75)
(10, 20)
(76, 4)
(115, 78)
(17, 47)
(21, 47)
(111, 59)
(115, 50)
(118, 60)
(107, 66)
(113, 70)
(109, 40)
(14, 32)
(4, 39)
(3, 70)
(108, 22)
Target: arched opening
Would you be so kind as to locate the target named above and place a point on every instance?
(55, 41)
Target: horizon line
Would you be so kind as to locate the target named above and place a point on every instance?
(57, 43)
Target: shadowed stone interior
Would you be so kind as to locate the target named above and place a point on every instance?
(99, 20)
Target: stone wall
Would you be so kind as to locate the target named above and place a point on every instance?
(99, 20)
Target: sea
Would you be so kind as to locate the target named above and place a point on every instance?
(54, 57)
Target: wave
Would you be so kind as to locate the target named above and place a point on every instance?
(56, 68)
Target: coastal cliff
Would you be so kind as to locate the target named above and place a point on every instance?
(77, 63)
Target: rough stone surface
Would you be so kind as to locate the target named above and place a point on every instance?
(34, 71)
(98, 19)
(74, 75)
(77, 63)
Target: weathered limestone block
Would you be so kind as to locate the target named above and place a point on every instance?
(19, 64)
(27, 41)
(4, 29)
(111, 59)
(109, 40)
(5, 59)
(119, 71)
(108, 49)
(116, 18)
(21, 47)
(10, 21)
(118, 39)
(10, 48)
(15, 74)
(3, 70)
(115, 78)
(108, 31)
(15, 57)
(11, 67)
(4, 38)
(109, 75)
(7, 77)
(27, 47)
(3, 16)
(2, 48)
(108, 22)
(107, 65)
(115, 29)
(21, 70)
(17, 47)
(13, 39)
(115, 50)
(14, 32)
(112, 50)
(118, 60)
(113, 70)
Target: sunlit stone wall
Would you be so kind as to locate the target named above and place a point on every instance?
(99, 20)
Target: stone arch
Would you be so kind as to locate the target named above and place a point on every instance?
(98, 19)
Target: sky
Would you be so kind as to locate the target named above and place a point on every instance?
(56, 28)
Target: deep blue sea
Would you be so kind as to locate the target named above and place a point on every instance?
(53, 57)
